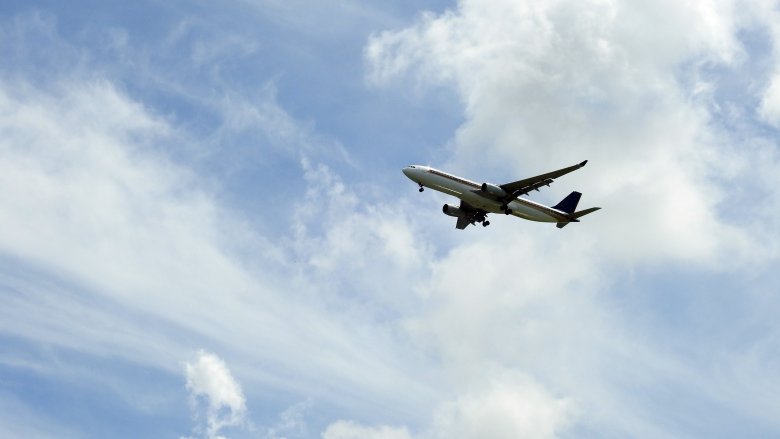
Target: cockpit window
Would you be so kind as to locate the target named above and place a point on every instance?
(411, 167)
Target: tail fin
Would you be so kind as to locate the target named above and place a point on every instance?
(569, 204)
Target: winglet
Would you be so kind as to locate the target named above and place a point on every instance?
(583, 163)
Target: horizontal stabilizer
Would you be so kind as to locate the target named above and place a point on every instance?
(585, 212)
(575, 215)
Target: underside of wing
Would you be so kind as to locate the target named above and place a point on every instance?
(526, 185)
(469, 214)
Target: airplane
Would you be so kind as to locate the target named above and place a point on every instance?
(477, 200)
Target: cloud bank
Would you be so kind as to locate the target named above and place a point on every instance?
(554, 83)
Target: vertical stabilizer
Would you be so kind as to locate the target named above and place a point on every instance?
(569, 204)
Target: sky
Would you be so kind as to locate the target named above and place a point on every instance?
(205, 231)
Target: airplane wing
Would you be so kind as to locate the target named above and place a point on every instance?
(526, 185)
(464, 221)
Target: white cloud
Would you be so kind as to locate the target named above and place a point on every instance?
(506, 405)
(211, 384)
(263, 116)
(351, 430)
(345, 239)
(770, 104)
(766, 18)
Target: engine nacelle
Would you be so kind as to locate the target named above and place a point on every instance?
(493, 190)
(453, 211)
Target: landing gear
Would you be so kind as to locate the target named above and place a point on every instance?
(503, 207)
(507, 211)
(421, 188)
(483, 218)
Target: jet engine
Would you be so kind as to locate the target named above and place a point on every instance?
(453, 211)
(493, 190)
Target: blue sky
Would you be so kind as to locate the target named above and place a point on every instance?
(204, 231)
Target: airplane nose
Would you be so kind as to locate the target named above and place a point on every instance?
(407, 172)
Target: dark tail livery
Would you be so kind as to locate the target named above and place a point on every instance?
(569, 204)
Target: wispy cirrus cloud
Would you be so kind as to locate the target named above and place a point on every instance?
(116, 249)
(131, 230)
(291, 422)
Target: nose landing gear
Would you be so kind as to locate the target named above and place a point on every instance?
(421, 188)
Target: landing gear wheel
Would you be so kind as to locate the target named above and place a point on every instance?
(508, 211)
(421, 189)
(485, 223)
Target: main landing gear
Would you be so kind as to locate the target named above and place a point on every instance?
(506, 209)
(421, 188)
(482, 218)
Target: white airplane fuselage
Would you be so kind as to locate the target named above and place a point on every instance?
(471, 193)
